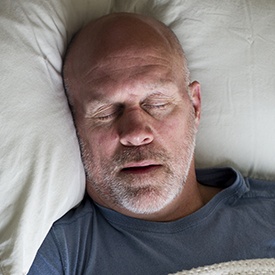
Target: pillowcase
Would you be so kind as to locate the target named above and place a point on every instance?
(41, 174)
(230, 50)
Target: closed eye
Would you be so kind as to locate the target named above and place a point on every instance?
(107, 113)
(157, 101)
(105, 117)
(157, 106)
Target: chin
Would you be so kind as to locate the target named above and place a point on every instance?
(148, 200)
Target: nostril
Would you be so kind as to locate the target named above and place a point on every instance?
(136, 139)
(135, 129)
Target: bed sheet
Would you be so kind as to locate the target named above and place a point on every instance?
(230, 50)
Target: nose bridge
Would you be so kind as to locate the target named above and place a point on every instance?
(135, 129)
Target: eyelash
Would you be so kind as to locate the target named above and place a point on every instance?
(157, 106)
(107, 116)
(145, 106)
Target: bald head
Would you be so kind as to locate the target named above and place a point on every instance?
(127, 84)
(104, 43)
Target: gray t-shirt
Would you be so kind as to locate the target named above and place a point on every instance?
(238, 223)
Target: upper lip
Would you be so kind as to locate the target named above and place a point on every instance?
(140, 164)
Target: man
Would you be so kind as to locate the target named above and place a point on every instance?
(147, 210)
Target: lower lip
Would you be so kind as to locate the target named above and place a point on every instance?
(140, 170)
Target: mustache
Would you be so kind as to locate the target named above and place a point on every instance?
(136, 154)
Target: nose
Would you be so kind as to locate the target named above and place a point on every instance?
(134, 129)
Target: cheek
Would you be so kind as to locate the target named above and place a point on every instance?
(102, 143)
(173, 129)
(174, 133)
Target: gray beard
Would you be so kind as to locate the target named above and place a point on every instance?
(129, 191)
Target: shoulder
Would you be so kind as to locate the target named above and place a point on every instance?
(238, 189)
(260, 189)
(73, 229)
(86, 209)
(67, 241)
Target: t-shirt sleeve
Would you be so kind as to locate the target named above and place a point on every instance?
(48, 259)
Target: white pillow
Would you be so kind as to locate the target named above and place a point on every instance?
(230, 48)
(41, 174)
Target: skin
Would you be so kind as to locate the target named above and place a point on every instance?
(136, 117)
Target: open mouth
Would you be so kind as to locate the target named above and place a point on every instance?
(140, 169)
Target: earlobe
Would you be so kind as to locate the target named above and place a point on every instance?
(195, 96)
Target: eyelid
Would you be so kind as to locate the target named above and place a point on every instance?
(157, 105)
(157, 101)
(107, 112)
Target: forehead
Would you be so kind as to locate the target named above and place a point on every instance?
(126, 56)
(120, 68)
(108, 44)
(135, 90)
(118, 76)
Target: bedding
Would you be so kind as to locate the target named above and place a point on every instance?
(230, 50)
(243, 267)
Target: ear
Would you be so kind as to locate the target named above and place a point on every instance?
(195, 96)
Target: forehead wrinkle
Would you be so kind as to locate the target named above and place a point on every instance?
(106, 82)
(110, 70)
